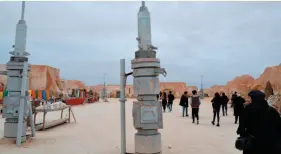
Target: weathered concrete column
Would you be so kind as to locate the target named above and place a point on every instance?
(16, 106)
(147, 110)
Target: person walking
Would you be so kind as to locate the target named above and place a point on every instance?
(216, 103)
(171, 98)
(195, 104)
(233, 97)
(238, 107)
(184, 104)
(260, 125)
(225, 100)
(164, 101)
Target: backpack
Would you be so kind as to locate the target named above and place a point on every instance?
(195, 102)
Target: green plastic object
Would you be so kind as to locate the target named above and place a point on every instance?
(36, 93)
(5, 93)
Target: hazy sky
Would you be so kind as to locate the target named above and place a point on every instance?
(220, 40)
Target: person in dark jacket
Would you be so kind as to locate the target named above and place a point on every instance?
(171, 98)
(216, 103)
(184, 104)
(195, 104)
(233, 97)
(262, 122)
(225, 100)
(157, 96)
(164, 101)
(238, 107)
(160, 94)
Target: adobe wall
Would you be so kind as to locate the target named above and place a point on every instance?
(43, 77)
(177, 89)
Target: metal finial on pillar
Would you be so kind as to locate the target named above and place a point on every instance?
(104, 89)
(143, 3)
(22, 10)
(201, 89)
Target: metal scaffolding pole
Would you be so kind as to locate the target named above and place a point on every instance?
(22, 102)
(122, 105)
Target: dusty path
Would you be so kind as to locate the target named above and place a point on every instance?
(98, 132)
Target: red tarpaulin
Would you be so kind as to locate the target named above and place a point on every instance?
(75, 101)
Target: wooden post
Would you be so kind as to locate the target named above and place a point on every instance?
(44, 120)
(28, 122)
(35, 113)
(69, 110)
(61, 113)
(73, 116)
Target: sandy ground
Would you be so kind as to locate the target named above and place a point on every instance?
(97, 131)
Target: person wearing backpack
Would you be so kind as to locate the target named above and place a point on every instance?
(195, 104)
(259, 126)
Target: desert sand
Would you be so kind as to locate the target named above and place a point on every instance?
(97, 131)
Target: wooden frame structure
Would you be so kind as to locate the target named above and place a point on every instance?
(53, 123)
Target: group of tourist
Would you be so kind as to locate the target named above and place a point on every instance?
(184, 102)
(218, 102)
(259, 126)
(221, 101)
(167, 101)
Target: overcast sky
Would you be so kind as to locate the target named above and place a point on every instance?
(220, 40)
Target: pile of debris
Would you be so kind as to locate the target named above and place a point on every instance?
(51, 106)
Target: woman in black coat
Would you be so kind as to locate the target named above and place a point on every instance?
(164, 101)
(238, 107)
(216, 103)
(262, 122)
(224, 104)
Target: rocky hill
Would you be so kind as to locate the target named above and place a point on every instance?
(244, 83)
(272, 74)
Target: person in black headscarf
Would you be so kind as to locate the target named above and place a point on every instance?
(164, 101)
(262, 123)
(238, 107)
(225, 100)
(216, 103)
